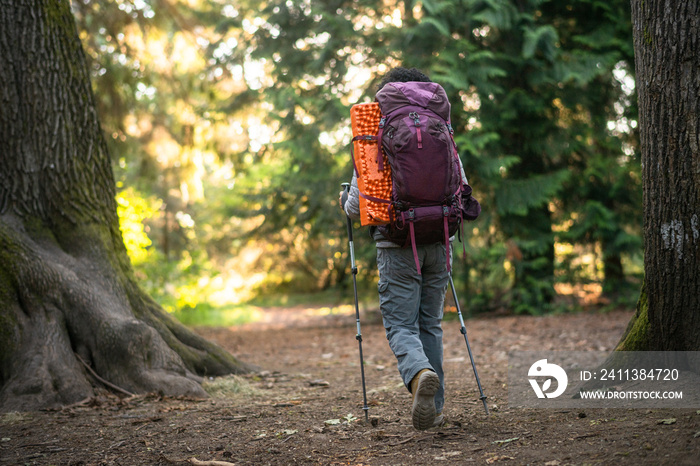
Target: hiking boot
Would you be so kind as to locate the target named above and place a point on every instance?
(424, 386)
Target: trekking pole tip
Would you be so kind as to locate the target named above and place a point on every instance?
(483, 399)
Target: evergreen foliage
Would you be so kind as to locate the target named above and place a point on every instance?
(244, 136)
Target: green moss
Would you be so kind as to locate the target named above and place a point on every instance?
(11, 253)
(231, 386)
(36, 229)
(8, 335)
(110, 251)
(58, 14)
(14, 417)
(636, 337)
(8, 320)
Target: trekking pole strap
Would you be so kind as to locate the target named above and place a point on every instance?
(445, 214)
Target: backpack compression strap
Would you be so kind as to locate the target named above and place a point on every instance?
(411, 216)
(378, 137)
(368, 137)
(362, 137)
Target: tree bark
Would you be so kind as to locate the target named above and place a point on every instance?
(67, 289)
(667, 52)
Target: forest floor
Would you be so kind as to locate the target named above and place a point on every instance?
(304, 405)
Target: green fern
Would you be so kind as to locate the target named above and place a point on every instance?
(517, 196)
(543, 39)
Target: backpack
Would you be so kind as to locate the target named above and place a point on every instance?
(429, 199)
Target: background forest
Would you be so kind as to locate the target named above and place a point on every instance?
(228, 126)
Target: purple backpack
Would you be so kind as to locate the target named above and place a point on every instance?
(429, 200)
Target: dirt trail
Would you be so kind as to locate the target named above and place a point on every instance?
(306, 407)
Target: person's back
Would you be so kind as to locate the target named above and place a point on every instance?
(413, 280)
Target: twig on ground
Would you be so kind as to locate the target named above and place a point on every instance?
(103, 381)
(413, 437)
(210, 463)
(82, 402)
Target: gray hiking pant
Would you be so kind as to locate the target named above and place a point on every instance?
(412, 309)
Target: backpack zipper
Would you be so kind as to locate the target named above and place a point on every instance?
(416, 121)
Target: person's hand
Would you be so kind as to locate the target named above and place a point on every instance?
(342, 197)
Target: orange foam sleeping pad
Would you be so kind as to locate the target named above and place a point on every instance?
(371, 181)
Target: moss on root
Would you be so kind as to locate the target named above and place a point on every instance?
(636, 337)
(9, 338)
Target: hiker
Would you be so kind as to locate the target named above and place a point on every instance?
(412, 285)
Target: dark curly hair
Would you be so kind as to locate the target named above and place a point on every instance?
(403, 75)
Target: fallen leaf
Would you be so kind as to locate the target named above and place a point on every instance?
(332, 422)
(697, 434)
(667, 421)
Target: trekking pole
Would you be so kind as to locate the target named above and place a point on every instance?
(358, 337)
(463, 330)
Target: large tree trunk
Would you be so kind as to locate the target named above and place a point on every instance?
(68, 297)
(667, 50)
